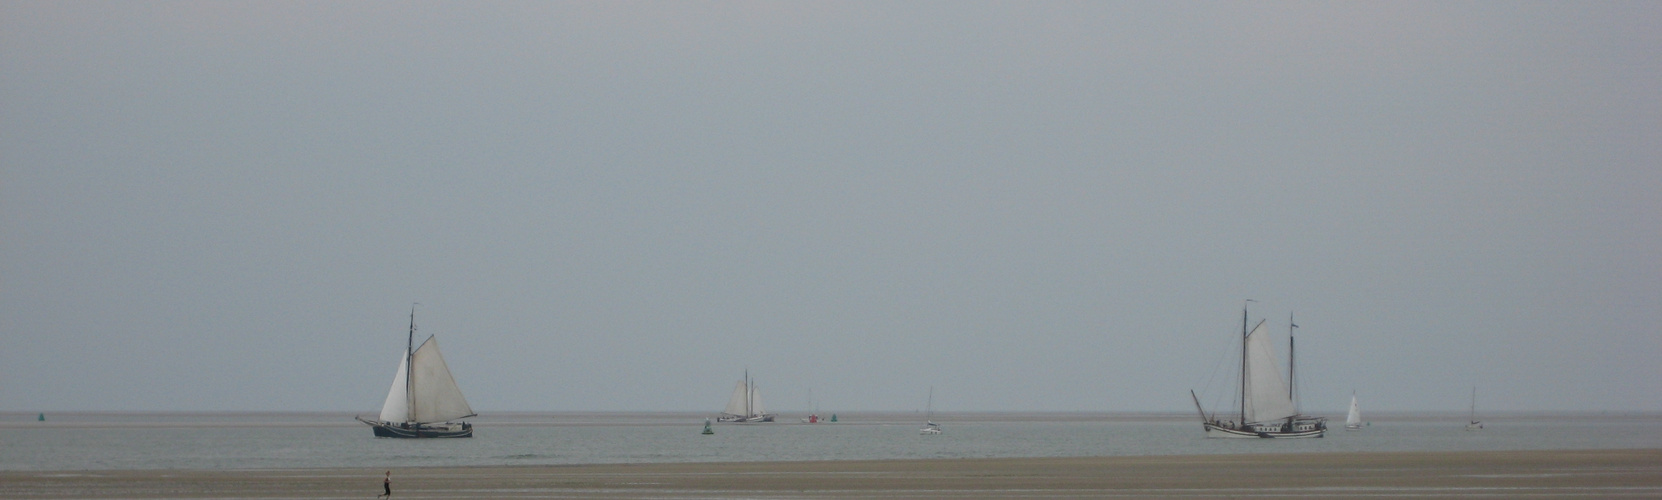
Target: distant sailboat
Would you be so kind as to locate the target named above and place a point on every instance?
(746, 404)
(424, 401)
(1471, 419)
(813, 412)
(1353, 420)
(930, 428)
(1267, 409)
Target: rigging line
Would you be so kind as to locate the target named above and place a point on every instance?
(1222, 356)
(1230, 351)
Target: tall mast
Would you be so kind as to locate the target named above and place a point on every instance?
(929, 409)
(1473, 416)
(409, 369)
(1291, 380)
(1244, 334)
(748, 395)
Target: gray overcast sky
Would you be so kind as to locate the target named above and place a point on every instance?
(1028, 206)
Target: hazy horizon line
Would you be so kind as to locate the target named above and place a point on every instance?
(805, 412)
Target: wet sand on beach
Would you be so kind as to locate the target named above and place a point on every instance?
(1508, 474)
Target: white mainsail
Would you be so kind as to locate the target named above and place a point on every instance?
(735, 404)
(437, 398)
(1354, 419)
(1266, 392)
(397, 407)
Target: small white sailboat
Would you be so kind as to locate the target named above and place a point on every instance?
(1267, 408)
(1353, 420)
(424, 401)
(746, 404)
(1472, 423)
(930, 428)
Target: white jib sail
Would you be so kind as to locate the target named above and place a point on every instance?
(1355, 416)
(437, 399)
(735, 404)
(397, 407)
(1266, 392)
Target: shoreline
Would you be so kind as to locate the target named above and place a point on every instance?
(12, 420)
(1610, 473)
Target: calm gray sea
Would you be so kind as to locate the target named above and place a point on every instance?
(91, 441)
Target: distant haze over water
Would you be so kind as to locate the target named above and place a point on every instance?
(1028, 206)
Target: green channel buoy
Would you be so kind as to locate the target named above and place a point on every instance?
(707, 429)
(833, 417)
(43, 417)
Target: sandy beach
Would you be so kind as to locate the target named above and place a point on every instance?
(1510, 474)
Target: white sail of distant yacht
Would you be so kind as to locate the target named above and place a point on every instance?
(746, 404)
(1472, 422)
(1267, 409)
(1353, 420)
(424, 399)
(930, 428)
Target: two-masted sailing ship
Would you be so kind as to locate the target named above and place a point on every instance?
(1267, 408)
(746, 404)
(424, 401)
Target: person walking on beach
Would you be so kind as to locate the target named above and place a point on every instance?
(386, 484)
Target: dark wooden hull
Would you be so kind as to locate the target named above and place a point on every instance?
(1307, 429)
(389, 430)
(735, 419)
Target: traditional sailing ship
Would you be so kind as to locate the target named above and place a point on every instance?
(424, 401)
(1353, 420)
(746, 404)
(1267, 408)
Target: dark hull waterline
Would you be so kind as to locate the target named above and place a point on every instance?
(384, 429)
(1218, 431)
(734, 419)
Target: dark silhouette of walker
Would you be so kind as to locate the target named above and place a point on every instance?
(386, 485)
